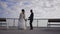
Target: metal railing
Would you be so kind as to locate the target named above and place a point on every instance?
(27, 20)
(37, 21)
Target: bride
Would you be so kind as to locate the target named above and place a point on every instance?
(21, 23)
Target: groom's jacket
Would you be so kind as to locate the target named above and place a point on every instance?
(31, 16)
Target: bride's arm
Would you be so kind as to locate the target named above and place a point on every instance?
(25, 18)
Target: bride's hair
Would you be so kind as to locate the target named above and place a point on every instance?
(23, 11)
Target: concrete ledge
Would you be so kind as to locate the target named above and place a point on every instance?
(4, 27)
(13, 27)
(10, 27)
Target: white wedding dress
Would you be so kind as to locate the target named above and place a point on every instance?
(22, 23)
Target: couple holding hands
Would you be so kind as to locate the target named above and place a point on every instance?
(22, 20)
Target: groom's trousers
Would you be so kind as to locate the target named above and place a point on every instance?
(31, 26)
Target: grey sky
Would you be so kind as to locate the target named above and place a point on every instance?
(41, 8)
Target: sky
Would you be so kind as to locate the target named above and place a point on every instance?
(41, 8)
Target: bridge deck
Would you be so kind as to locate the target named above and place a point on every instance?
(34, 31)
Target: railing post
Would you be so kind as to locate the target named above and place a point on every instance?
(37, 23)
(14, 23)
(7, 24)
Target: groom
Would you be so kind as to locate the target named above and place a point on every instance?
(31, 19)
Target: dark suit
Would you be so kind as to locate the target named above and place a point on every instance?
(31, 20)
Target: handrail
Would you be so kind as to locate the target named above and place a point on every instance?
(36, 18)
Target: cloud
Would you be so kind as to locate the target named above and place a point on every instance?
(3, 4)
(12, 8)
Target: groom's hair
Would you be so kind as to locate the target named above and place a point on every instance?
(31, 11)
